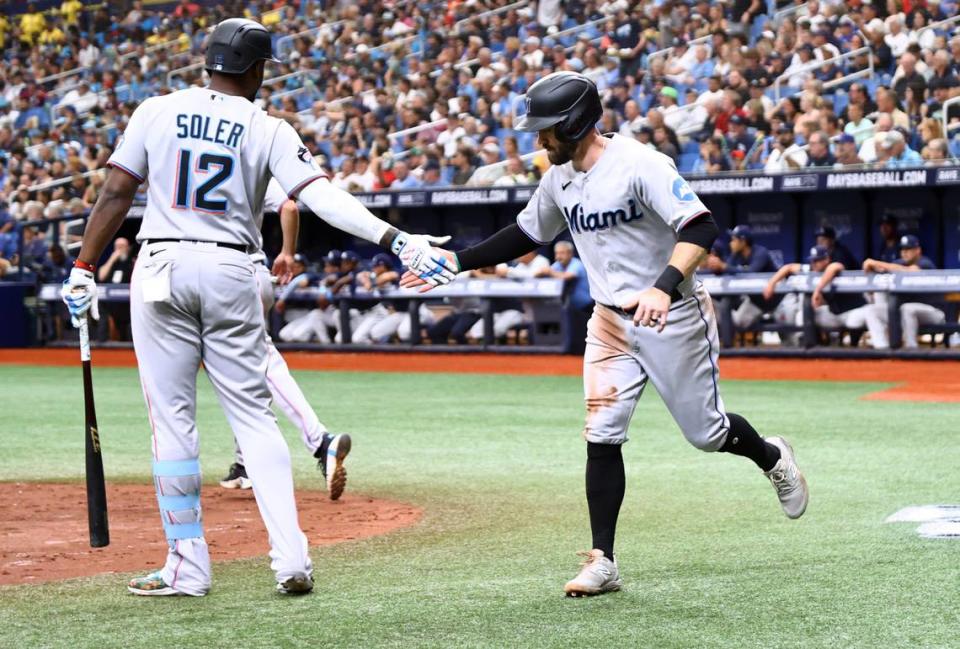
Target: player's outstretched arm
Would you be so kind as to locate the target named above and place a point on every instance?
(79, 290)
(343, 211)
(506, 245)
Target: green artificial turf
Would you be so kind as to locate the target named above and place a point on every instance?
(496, 462)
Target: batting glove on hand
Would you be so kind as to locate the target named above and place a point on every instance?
(79, 292)
(417, 253)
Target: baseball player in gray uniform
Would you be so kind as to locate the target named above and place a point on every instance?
(208, 154)
(641, 232)
(330, 450)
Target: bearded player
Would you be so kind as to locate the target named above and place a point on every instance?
(641, 232)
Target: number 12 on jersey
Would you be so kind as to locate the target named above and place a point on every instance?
(200, 199)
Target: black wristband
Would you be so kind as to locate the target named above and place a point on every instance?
(668, 282)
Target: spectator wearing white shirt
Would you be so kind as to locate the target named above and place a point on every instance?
(632, 118)
(80, 98)
(868, 150)
(897, 38)
(532, 54)
(87, 53)
(449, 139)
(786, 154)
(714, 91)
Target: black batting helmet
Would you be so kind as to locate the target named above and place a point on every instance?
(568, 101)
(236, 44)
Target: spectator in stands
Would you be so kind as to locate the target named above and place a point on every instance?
(712, 158)
(909, 77)
(577, 301)
(940, 90)
(56, 266)
(403, 178)
(846, 151)
(858, 96)
(896, 38)
(81, 98)
(833, 309)
(936, 153)
(665, 141)
(738, 140)
(516, 174)
(786, 154)
(921, 309)
(897, 154)
(431, 174)
(857, 124)
(887, 103)
(870, 149)
(463, 165)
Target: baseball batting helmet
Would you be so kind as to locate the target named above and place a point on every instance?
(236, 44)
(568, 101)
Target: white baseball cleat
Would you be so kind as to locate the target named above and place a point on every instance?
(597, 575)
(786, 478)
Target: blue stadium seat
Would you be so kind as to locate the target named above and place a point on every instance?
(840, 101)
(687, 160)
(526, 142)
(955, 147)
(691, 146)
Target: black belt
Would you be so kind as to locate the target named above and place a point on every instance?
(233, 246)
(616, 309)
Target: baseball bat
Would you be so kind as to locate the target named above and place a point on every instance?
(96, 487)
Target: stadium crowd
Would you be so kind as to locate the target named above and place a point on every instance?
(403, 94)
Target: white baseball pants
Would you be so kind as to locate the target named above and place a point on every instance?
(193, 303)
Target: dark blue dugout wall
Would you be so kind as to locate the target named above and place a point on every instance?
(773, 219)
(951, 229)
(917, 212)
(721, 210)
(846, 212)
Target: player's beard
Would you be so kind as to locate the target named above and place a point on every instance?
(562, 154)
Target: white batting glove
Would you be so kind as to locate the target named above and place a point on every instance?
(79, 292)
(417, 253)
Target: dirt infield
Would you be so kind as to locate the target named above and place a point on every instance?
(45, 528)
(917, 380)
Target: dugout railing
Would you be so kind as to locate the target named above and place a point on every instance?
(543, 298)
(895, 289)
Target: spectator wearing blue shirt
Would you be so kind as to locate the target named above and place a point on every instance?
(745, 257)
(577, 303)
(404, 179)
(898, 154)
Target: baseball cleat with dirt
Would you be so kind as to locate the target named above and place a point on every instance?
(597, 575)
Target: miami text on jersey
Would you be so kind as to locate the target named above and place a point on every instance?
(579, 221)
(199, 127)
